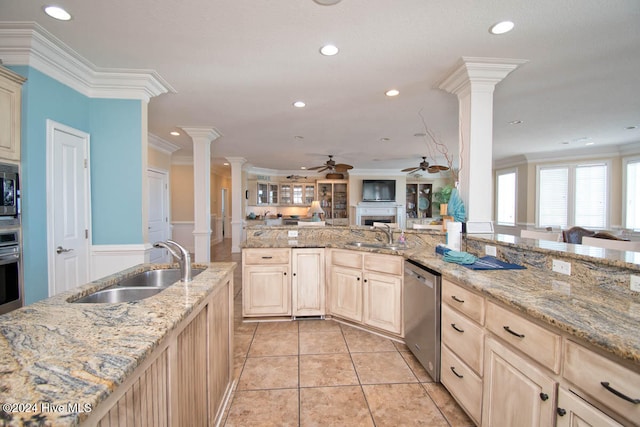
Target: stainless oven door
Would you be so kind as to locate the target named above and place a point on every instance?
(10, 286)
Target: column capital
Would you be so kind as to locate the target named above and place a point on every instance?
(201, 132)
(485, 72)
(236, 160)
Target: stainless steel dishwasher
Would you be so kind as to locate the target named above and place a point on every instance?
(422, 315)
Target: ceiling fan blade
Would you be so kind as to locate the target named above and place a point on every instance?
(315, 168)
(437, 168)
(410, 169)
(323, 169)
(341, 167)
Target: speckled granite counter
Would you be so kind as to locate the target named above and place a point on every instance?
(593, 304)
(65, 354)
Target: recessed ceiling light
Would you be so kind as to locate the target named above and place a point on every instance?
(392, 92)
(226, 164)
(303, 167)
(589, 143)
(515, 122)
(175, 133)
(385, 139)
(298, 137)
(329, 50)
(57, 12)
(565, 143)
(501, 27)
(327, 2)
(419, 134)
(299, 104)
(631, 127)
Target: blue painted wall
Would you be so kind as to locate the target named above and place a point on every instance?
(116, 168)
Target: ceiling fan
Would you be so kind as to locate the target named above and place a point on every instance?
(425, 166)
(332, 166)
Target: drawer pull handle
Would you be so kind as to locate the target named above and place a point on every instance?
(456, 299)
(562, 412)
(453, 369)
(453, 325)
(544, 397)
(606, 385)
(267, 257)
(508, 329)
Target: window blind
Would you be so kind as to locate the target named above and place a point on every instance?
(591, 196)
(632, 197)
(507, 198)
(553, 197)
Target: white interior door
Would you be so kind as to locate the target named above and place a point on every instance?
(68, 207)
(158, 188)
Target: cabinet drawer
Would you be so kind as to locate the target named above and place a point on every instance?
(389, 264)
(464, 337)
(350, 259)
(533, 340)
(267, 256)
(463, 384)
(465, 301)
(588, 370)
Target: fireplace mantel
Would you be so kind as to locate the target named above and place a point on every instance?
(379, 210)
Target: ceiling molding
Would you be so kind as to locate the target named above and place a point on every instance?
(472, 70)
(27, 43)
(162, 144)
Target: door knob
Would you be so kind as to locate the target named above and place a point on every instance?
(60, 250)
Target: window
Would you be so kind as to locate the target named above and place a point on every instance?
(632, 194)
(506, 198)
(571, 195)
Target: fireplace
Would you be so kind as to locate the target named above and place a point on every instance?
(369, 220)
(368, 213)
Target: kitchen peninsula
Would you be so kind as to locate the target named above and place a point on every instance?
(162, 360)
(580, 338)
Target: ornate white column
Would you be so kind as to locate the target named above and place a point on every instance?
(202, 138)
(236, 202)
(473, 81)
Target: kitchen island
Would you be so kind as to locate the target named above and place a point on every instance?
(163, 360)
(549, 340)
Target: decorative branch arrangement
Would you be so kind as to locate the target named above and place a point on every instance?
(433, 143)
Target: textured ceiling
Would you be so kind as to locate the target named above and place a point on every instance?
(238, 65)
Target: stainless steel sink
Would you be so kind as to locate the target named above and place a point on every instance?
(119, 294)
(393, 247)
(156, 278)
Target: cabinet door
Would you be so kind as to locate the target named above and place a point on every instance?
(273, 194)
(575, 412)
(346, 293)
(266, 290)
(285, 194)
(383, 302)
(307, 283)
(309, 192)
(262, 193)
(516, 392)
(10, 112)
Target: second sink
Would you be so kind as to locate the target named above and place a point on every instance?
(116, 295)
(157, 278)
(393, 247)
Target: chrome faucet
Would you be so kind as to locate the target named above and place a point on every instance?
(389, 232)
(184, 258)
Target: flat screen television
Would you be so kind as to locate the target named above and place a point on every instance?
(378, 190)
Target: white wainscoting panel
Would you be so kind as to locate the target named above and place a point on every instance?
(110, 259)
(182, 232)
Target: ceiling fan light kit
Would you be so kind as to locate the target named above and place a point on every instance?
(327, 2)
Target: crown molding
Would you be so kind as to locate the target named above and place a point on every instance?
(27, 43)
(162, 144)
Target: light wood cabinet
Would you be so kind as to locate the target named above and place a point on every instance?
(367, 288)
(10, 113)
(308, 282)
(515, 391)
(462, 316)
(186, 380)
(575, 412)
(266, 282)
(603, 380)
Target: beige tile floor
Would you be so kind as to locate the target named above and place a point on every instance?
(323, 373)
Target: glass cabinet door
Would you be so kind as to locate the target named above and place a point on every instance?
(262, 194)
(309, 192)
(273, 194)
(340, 200)
(285, 194)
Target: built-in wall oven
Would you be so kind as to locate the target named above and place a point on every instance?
(10, 273)
(9, 195)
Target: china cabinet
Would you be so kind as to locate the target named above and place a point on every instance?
(418, 200)
(333, 197)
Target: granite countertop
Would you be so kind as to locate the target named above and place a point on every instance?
(63, 353)
(604, 316)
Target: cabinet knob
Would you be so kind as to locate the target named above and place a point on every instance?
(544, 397)
(358, 279)
(561, 412)
(293, 274)
(285, 273)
